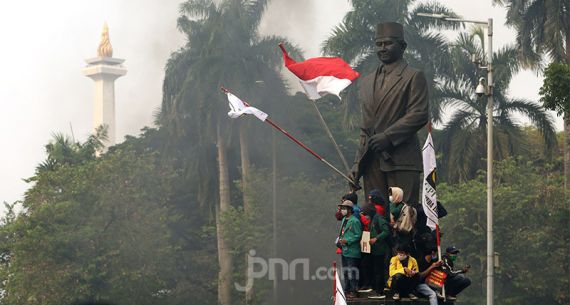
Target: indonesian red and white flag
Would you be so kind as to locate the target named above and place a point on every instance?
(339, 298)
(429, 198)
(320, 76)
(239, 108)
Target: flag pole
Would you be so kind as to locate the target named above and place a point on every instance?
(310, 151)
(334, 283)
(437, 237)
(329, 134)
(299, 143)
(437, 232)
(289, 61)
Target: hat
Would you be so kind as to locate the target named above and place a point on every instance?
(452, 250)
(377, 197)
(347, 203)
(389, 29)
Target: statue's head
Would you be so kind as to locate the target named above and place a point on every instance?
(390, 41)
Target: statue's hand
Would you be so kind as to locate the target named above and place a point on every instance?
(379, 142)
(354, 175)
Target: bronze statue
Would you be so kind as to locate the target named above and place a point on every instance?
(394, 103)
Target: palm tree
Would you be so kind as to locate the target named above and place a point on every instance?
(463, 138)
(543, 28)
(353, 40)
(223, 49)
(64, 151)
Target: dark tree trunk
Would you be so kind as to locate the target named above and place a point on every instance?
(224, 256)
(245, 164)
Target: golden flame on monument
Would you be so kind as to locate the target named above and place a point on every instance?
(105, 49)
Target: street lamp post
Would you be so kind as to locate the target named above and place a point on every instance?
(489, 92)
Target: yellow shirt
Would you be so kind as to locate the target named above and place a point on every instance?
(397, 267)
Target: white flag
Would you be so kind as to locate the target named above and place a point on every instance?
(429, 198)
(239, 108)
(339, 298)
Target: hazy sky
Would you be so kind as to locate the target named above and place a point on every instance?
(44, 44)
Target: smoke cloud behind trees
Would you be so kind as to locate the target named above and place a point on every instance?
(45, 43)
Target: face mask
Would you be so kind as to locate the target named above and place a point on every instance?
(434, 257)
(391, 198)
(452, 258)
(343, 212)
(402, 257)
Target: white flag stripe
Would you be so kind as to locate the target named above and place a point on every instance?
(322, 85)
(429, 198)
(340, 298)
(238, 108)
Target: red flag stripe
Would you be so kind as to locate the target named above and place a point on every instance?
(319, 66)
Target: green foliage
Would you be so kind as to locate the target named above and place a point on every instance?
(531, 233)
(63, 151)
(97, 230)
(223, 48)
(542, 27)
(555, 91)
(306, 228)
(115, 228)
(463, 138)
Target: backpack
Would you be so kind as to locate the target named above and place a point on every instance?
(406, 220)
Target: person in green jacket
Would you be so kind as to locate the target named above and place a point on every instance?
(349, 240)
(379, 233)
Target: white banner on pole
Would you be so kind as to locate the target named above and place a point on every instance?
(429, 198)
(239, 108)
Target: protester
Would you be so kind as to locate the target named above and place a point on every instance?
(403, 273)
(424, 241)
(353, 197)
(456, 280)
(395, 196)
(402, 217)
(366, 265)
(424, 237)
(427, 263)
(349, 241)
(378, 200)
(379, 233)
(338, 214)
(365, 217)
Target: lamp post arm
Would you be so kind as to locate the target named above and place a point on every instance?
(465, 20)
(449, 18)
